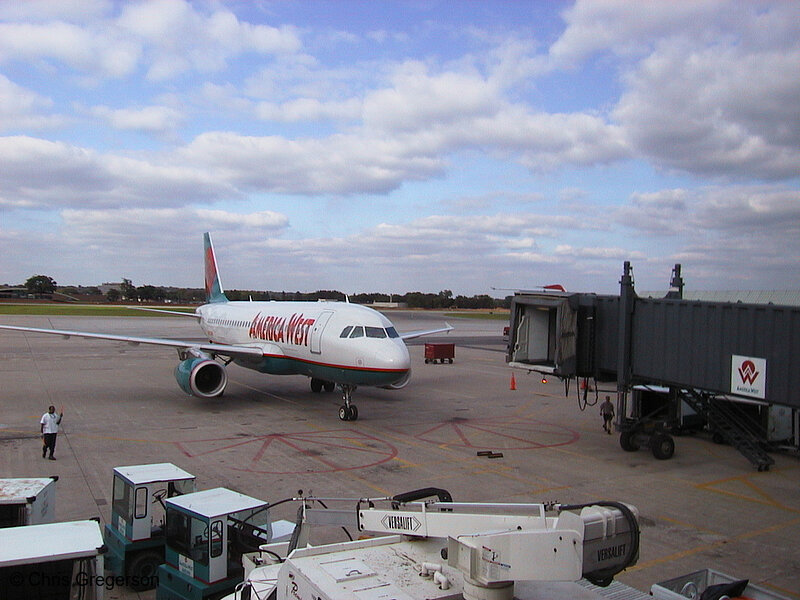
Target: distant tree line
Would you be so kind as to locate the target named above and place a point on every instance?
(127, 292)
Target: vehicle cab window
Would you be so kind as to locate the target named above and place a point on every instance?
(358, 331)
(346, 331)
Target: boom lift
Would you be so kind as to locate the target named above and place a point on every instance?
(444, 549)
(135, 536)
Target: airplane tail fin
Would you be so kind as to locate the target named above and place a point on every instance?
(214, 291)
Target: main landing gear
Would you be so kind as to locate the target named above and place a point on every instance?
(317, 385)
(348, 411)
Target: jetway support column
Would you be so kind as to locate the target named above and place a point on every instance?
(626, 300)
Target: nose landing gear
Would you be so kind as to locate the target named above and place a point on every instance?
(348, 411)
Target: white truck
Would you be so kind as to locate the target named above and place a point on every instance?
(449, 550)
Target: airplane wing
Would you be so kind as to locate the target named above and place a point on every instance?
(225, 349)
(167, 312)
(415, 334)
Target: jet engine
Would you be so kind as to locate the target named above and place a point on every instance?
(201, 376)
(400, 383)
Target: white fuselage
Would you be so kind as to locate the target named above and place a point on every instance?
(338, 342)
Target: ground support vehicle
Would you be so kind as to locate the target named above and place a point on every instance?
(207, 533)
(27, 501)
(56, 561)
(135, 536)
(440, 353)
(443, 549)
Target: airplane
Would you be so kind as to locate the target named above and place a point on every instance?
(332, 343)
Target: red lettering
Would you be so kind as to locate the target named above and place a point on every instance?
(295, 330)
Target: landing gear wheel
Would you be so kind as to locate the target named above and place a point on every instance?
(663, 446)
(143, 570)
(348, 413)
(328, 386)
(316, 385)
(626, 440)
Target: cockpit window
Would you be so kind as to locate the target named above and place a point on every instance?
(358, 331)
(346, 331)
(375, 332)
(392, 332)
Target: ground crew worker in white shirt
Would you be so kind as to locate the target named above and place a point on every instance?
(50, 422)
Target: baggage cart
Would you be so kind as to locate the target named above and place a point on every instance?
(440, 353)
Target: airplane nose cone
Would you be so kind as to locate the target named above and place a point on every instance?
(395, 357)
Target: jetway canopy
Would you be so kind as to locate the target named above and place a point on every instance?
(748, 350)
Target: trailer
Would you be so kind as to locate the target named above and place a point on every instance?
(440, 353)
(135, 535)
(27, 501)
(57, 561)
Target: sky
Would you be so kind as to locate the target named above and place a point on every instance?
(378, 146)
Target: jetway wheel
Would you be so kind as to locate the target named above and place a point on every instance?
(627, 441)
(662, 445)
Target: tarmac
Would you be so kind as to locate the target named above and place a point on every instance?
(270, 436)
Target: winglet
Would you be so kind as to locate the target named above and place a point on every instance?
(214, 291)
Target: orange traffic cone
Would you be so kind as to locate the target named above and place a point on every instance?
(513, 385)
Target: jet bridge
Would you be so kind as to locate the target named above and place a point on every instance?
(703, 351)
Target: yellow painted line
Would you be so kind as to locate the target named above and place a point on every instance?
(688, 525)
(760, 497)
(705, 547)
(407, 464)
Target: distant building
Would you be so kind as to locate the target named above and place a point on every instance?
(7, 291)
(105, 287)
(389, 305)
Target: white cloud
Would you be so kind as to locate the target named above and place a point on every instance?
(309, 109)
(22, 108)
(708, 88)
(717, 111)
(55, 174)
(664, 212)
(177, 37)
(149, 119)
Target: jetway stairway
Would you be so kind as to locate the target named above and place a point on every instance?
(724, 421)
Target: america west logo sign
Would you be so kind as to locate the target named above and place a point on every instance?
(748, 376)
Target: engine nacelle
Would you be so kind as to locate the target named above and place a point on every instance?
(400, 383)
(201, 377)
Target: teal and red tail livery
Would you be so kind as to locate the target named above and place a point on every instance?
(214, 291)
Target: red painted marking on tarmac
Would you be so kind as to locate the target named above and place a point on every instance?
(507, 433)
(321, 447)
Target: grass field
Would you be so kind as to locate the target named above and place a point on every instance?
(82, 310)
